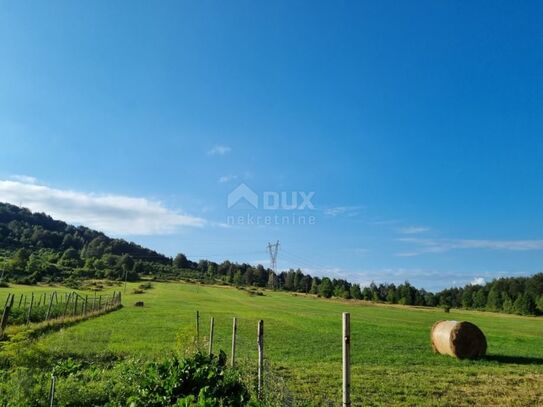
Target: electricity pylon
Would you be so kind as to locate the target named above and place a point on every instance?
(273, 249)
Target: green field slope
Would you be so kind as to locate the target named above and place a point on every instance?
(393, 363)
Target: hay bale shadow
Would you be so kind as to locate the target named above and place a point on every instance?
(517, 360)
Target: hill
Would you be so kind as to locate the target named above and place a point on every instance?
(37, 248)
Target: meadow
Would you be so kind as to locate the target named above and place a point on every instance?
(392, 361)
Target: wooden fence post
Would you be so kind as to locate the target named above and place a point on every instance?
(30, 309)
(5, 314)
(85, 306)
(260, 342)
(211, 329)
(20, 301)
(8, 299)
(48, 313)
(66, 305)
(346, 359)
(52, 391)
(197, 326)
(234, 332)
(100, 303)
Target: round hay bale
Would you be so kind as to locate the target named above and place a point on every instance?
(462, 340)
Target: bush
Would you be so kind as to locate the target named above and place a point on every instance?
(200, 380)
(145, 286)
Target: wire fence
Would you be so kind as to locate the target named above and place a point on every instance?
(48, 306)
(274, 388)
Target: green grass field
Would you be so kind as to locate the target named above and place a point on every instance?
(393, 363)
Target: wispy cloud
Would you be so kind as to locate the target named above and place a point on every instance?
(114, 214)
(24, 178)
(227, 178)
(219, 150)
(445, 245)
(413, 230)
(342, 211)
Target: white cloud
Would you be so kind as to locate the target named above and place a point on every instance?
(114, 214)
(412, 230)
(227, 178)
(24, 178)
(445, 245)
(478, 281)
(342, 210)
(219, 150)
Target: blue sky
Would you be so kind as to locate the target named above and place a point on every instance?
(417, 125)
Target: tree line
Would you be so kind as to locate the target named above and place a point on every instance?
(36, 248)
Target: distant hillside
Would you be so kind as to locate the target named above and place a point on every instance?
(20, 228)
(36, 248)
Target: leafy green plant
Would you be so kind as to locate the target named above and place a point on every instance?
(197, 381)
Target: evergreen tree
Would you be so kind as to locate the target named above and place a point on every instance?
(494, 300)
(479, 299)
(326, 288)
(524, 305)
(314, 287)
(272, 281)
(355, 292)
(507, 305)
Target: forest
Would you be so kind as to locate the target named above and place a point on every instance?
(34, 248)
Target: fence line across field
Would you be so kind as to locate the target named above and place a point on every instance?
(218, 336)
(32, 307)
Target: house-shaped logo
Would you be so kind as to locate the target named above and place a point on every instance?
(242, 197)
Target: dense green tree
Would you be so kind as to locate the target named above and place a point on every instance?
(524, 305)
(314, 287)
(356, 293)
(479, 299)
(325, 288)
(180, 261)
(494, 300)
(507, 305)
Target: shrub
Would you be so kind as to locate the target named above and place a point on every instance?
(200, 380)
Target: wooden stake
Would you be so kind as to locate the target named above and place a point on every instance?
(66, 305)
(85, 306)
(5, 314)
(8, 299)
(48, 313)
(197, 326)
(346, 359)
(260, 342)
(211, 329)
(234, 332)
(52, 391)
(30, 309)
